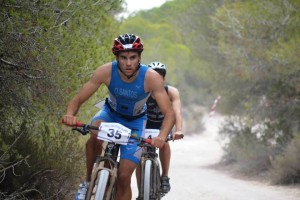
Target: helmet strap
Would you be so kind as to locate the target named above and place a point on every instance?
(131, 75)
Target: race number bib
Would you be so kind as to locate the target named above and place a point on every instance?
(151, 133)
(114, 132)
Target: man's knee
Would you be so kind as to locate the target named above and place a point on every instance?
(94, 143)
(124, 179)
(123, 175)
(166, 147)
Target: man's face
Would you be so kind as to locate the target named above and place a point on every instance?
(128, 61)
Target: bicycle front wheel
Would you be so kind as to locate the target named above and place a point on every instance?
(147, 180)
(101, 187)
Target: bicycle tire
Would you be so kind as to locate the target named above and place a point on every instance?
(147, 180)
(156, 184)
(101, 187)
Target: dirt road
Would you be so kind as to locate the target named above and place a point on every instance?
(192, 179)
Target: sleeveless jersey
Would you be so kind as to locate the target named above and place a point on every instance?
(127, 98)
(155, 116)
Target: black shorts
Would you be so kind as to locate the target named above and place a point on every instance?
(153, 125)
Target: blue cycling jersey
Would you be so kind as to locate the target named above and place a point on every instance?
(128, 98)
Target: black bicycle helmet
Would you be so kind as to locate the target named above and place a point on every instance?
(127, 42)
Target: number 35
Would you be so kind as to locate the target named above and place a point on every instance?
(114, 133)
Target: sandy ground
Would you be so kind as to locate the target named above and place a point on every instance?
(193, 179)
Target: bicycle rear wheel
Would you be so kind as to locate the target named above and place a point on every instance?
(101, 187)
(147, 180)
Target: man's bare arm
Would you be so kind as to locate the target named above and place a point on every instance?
(176, 104)
(89, 88)
(156, 85)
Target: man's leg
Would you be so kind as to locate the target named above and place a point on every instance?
(138, 175)
(125, 172)
(165, 156)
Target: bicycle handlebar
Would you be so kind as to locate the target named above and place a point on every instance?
(85, 129)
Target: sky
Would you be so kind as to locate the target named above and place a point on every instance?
(136, 5)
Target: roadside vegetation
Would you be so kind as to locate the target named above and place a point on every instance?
(47, 50)
(245, 51)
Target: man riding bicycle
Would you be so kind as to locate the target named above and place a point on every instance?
(155, 119)
(129, 83)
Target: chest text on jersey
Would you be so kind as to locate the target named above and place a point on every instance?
(125, 93)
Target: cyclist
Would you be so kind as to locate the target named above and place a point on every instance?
(155, 119)
(129, 83)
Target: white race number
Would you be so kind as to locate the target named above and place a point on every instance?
(151, 133)
(114, 132)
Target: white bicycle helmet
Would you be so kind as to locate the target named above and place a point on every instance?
(157, 65)
(159, 68)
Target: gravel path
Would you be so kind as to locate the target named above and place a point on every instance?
(192, 179)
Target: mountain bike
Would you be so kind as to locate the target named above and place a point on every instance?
(104, 175)
(149, 188)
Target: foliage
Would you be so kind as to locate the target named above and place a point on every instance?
(47, 49)
(38, 165)
(285, 167)
(246, 146)
(247, 31)
(257, 41)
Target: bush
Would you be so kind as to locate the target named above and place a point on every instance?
(192, 116)
(39, 162)
(244, 148)
(286, 167)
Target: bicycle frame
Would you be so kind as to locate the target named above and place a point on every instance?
(109, 163)
(106, 167)
(104, 175)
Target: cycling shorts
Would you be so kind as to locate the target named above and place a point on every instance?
(131, 151)
(153, 125)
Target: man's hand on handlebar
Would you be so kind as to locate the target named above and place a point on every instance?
(157, 142)
(177, 135)
(69, 120)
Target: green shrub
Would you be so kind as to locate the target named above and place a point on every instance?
(38, 162)
(286, 166)
(248, 152)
